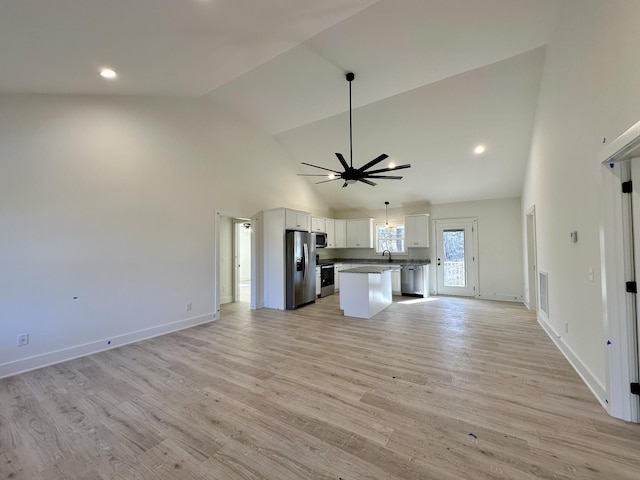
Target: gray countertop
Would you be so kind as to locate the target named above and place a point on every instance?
(370, 269)
(416, 261)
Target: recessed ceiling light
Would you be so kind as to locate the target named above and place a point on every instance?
(108, 73)
(479, 149)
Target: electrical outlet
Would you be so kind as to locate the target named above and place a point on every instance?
(187, 307)
(566, 327)
(23, 339)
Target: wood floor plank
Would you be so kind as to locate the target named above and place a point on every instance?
(442, 388)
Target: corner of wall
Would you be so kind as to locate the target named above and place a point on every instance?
(587, 376)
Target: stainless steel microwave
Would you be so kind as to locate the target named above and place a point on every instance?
(321, 240)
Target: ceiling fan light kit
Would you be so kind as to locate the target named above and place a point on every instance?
(351, 175)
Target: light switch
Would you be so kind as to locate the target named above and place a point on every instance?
(590, 274)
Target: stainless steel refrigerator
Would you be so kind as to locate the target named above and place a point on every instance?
(300, 256)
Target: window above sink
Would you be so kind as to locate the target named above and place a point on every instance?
(390, 237)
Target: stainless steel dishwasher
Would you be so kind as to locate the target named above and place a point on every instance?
(411, 280)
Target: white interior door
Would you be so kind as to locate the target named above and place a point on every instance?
(634, 333)
(456, 257)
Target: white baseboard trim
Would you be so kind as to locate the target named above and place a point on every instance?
(501, 297)
(587, 376)
(23, 365)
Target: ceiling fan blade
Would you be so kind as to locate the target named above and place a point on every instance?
(330, 180)
(389, 169)
(312, 175)
(386, 177)
(321, 168)
(373, 162)
(367, 182)
(344, 163)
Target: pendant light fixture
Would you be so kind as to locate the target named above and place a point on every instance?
(386, 213)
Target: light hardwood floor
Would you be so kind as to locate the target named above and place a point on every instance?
(442, 389)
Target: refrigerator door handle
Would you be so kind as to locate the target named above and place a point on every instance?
(305, 259)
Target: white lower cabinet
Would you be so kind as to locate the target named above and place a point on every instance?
(426, 281)
(337, 268)
(318, 281)
(395, 282)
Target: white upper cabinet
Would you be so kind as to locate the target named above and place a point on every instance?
(340, 239)
(318, 224)
(330, 223)
(360, 233)
(417, 230)
(295, 220)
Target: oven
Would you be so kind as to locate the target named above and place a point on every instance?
(326, 279)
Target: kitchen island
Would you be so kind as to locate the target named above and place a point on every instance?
(365, 291)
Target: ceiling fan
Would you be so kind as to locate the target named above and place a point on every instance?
(351, 174)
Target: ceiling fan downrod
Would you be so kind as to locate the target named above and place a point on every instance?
(350, 76)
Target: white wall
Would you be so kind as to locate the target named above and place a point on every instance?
(589, 92)
(394, 213)
(113, 201)
(499, 233)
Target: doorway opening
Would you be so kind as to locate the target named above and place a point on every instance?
(233, 260)
(532, 276)
(456, 257)
(242, 258)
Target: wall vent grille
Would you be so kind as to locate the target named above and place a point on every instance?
(544, 293)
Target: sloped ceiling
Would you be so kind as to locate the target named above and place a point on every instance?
(434, 78)
(434, 128)
(159, 47)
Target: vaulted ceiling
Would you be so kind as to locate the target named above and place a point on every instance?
(434, 78)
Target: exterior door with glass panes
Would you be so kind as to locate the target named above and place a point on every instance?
(456, 257)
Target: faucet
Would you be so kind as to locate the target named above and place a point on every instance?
(387, 251)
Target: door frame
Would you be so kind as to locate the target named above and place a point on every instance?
(532, 260)
(473, 275)
(615, 261)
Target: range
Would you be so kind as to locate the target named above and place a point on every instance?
(327, 279)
